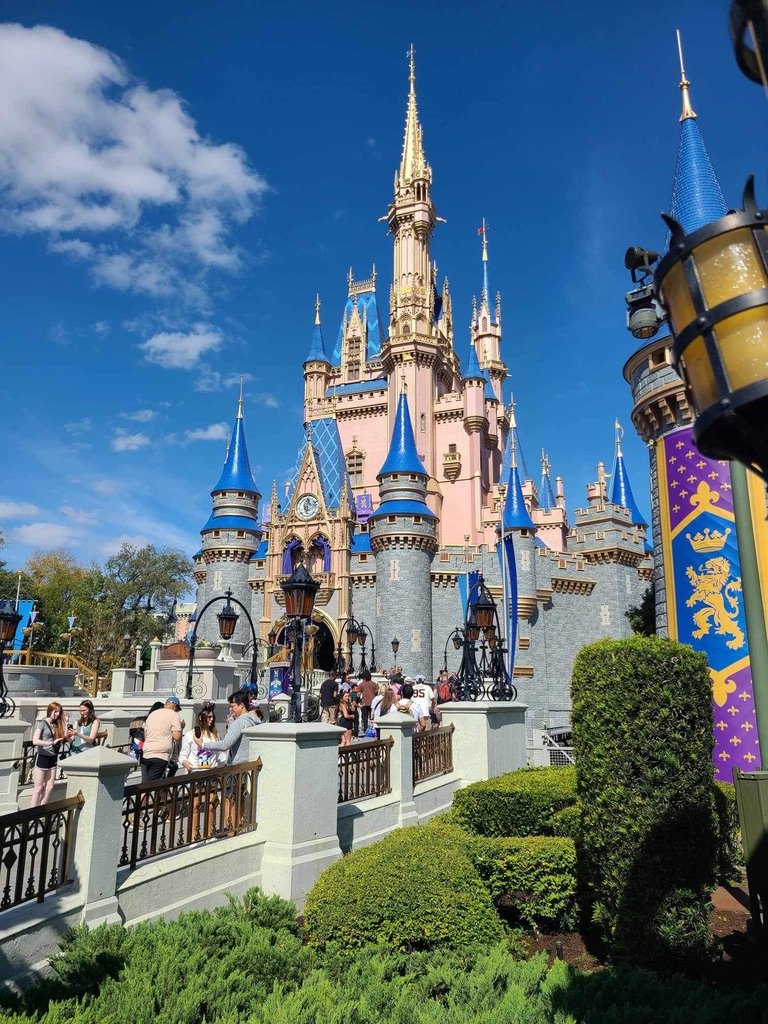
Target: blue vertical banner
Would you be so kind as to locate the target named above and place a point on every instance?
(467, 589)
(510, 626)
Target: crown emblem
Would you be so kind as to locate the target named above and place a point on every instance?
(706, 541)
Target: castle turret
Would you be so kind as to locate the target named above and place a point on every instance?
(403, 538)
(473, 390)
(550, 514)
(317, 368)
(486, 329)
(621, 489)
(231, 535)
(517, 521)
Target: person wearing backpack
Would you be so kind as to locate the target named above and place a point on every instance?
(445, 689)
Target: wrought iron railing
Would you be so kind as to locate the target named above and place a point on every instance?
(432, 753)
(559, 755)
(364, 770)
(34, 851)
(159, 817)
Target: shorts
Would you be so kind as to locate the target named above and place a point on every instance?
(155, 768)
(46, 761)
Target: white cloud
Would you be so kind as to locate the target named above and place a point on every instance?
(44, 535)
(177, 350)
(80, 427)
(140, 416)
(58, 334)
(114, 173)
(101, 327)
(125, 442)
(80, 516)
(17, 510)
(103, 485)
(113, 544)
(215, 432)
(267, 399)
(212, 380)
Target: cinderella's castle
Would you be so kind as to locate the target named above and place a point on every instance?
(411, 468)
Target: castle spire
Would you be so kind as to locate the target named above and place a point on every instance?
(403, 456)
(317, 353)
(696, 194)
(484, 299)
(688, 110)
(412, 164)
(236, 474)
(621, 491)
(516, 515)
(546, 495)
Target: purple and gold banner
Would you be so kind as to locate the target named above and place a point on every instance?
(705, 605)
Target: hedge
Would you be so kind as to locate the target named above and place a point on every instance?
(414, 889)
(642, 723)
(520, 803)
(730, 854)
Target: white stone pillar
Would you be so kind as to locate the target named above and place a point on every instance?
(98, 774)
(154, 656)
(116, 723)
(297, 804)
(489, 738)
(137, 666)
(123, 682)
(12, 734)
(400, 728)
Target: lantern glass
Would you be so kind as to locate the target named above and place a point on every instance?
(484, 608)
(490, 631)
(299, 590)
(458, 643)
(227, 621)
(472, 631)
(271, 637)
(677, 298)
(352, 636)
(492, 641)
(743, 340)
(728, 265)
(697, 368)
(395, 645)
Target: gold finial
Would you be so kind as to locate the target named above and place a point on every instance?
(317, 310)
(240, 400)
(688, 111)
(619, 434)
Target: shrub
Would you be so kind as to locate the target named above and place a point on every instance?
(642, 721)
(517, 804)
(415, 889)
(567, 821)
(730, 856)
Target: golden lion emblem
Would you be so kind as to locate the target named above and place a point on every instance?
(713, 587)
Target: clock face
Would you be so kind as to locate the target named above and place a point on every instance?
(307, 506)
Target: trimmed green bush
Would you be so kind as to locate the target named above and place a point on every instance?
(414, 889)
(642, 721)
(517, 804)
(567, 821)
(730, 855)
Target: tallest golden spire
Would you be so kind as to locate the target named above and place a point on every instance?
(412, 165)
(685, 85)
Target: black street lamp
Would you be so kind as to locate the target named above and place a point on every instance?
(227, 619)
(749, 32)
(300, 591)
(357, 633)
(483, 673)
(457, 637)
(9, 621)
(395, 645)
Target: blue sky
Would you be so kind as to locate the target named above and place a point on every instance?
(177, 182)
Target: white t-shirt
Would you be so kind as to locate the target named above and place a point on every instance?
(408, 707)
(423, 698)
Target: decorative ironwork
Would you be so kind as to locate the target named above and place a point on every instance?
(483, 674)
(227, 623)
(9, 620)
(432, 753)
(159, 817)
(34, 851)
(357, 632)
(364, 770)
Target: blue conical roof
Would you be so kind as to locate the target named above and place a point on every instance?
(236, 475)
(402, 456)
(473, 366)
(621, 492)
(516, 516)
(546, 495)
(697, 197)
(317, 351)
(489, 393)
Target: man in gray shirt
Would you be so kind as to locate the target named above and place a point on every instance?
(242, 719)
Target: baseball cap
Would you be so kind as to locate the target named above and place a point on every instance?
(420, 679)
(173, 699)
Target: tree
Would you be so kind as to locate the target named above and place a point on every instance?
(61, 587)
(642, 617)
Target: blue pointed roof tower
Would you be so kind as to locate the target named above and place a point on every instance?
(621, 491)
(403, 456)
(516, 515)
(473, 366)
(697, 197)
(513, 444)
(236, 475)
(546, 495)
(317, 353)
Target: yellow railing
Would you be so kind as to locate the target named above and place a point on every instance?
(86, 674)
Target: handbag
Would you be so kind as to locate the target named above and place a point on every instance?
(371, 733)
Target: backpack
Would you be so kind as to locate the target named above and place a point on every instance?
(444, 692)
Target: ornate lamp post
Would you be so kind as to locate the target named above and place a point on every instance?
(457, 637)
(357, 633)
(227, 619)
(9, 621)
(300, 591)
(483, 673)
(395, 645)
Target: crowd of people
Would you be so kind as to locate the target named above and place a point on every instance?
(356, 704)
(162, 746)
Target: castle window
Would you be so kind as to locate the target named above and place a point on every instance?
(355, 460)
(412, 476)
(423, 423)
(416, 520)
(241, 494)
(485, 323)
(445, 556)
(217, 533)
(451, 449)
(391, 519)
(363, 558)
